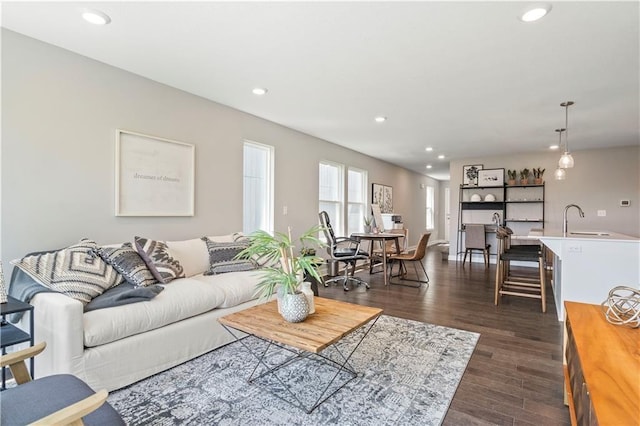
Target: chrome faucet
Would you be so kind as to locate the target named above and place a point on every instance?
(564, 217)
(496, 219)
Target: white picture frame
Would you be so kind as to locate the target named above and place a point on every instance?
(153, 176)
(491, 177)
(382, 195)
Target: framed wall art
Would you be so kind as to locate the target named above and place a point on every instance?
(470, 174)
(382, 195)
(154, 176)
(491, 177)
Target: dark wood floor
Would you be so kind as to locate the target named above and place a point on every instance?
(515, 374)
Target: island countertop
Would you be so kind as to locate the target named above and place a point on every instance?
(588, 235)
(588, 264)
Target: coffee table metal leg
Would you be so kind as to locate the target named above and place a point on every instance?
(344, 365)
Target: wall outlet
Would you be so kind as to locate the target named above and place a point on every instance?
(285, 210)
(625, 203)
(575, 249)
(602, 213)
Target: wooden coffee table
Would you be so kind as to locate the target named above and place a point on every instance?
(332, 321)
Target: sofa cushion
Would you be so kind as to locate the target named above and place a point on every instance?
(192, 255)
(126, 260)
(164, 267)
(76, 271)
(237, 287)
(183, 298)
(222, 257)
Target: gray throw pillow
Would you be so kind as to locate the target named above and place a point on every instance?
(164, 267)
(222, 257)
(128, 263)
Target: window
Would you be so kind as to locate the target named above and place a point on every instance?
(356, 200)
(257, 188)
(430, 207)
(330, 192)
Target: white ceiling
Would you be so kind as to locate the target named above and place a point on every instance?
(467, 78)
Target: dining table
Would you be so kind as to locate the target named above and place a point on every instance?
(381, 237)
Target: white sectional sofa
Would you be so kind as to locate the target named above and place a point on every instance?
(116, 346)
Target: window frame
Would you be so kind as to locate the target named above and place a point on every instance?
(269, 186)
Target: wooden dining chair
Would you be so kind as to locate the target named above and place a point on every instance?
(475, 239)
(416, 258)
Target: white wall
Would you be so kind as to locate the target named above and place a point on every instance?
(599, 180)
(60, 111)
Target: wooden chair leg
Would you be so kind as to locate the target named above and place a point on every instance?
(499, 269)
(543, 284)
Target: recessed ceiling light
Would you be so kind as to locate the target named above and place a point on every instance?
(259, 91)
(428, 149)
(554, 147)
(95, 17)
(533, 13)
(441, 156)
(429, 166)
(380, 119)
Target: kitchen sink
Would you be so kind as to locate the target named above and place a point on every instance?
(594, 233)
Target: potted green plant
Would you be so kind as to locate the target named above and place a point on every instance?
(511, 177)
(537, 176)
(524, 176)
(287, 270)
(368, 220)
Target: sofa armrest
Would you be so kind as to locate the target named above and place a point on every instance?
(58, 321)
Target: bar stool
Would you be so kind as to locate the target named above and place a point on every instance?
(518, 285)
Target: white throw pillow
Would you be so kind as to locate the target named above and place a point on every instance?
(192, 255)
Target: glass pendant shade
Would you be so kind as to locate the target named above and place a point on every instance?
(566, 161)
(560, 174)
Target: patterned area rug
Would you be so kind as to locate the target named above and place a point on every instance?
(408, 374)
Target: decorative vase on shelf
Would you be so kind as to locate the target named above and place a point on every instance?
(294, 307)
(511, 182)
(367, 229)
(538, 181)
(305, 288)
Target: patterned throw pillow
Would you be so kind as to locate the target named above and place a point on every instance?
(164, 267)
(75, 271)
(222, 257)
(128, 263)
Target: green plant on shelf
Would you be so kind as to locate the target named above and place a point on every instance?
(537, 175)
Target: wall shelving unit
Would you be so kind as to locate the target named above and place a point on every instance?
(521, 207)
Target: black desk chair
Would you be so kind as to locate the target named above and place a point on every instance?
(343, 249)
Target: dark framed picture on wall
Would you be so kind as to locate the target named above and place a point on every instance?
(491, 177)
(470, 174)
(382, 195)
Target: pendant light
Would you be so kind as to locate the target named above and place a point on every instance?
(566, 160)
(560, 173)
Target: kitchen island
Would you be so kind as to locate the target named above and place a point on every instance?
(587, 264)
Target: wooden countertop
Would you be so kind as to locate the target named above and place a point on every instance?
(610, 359)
